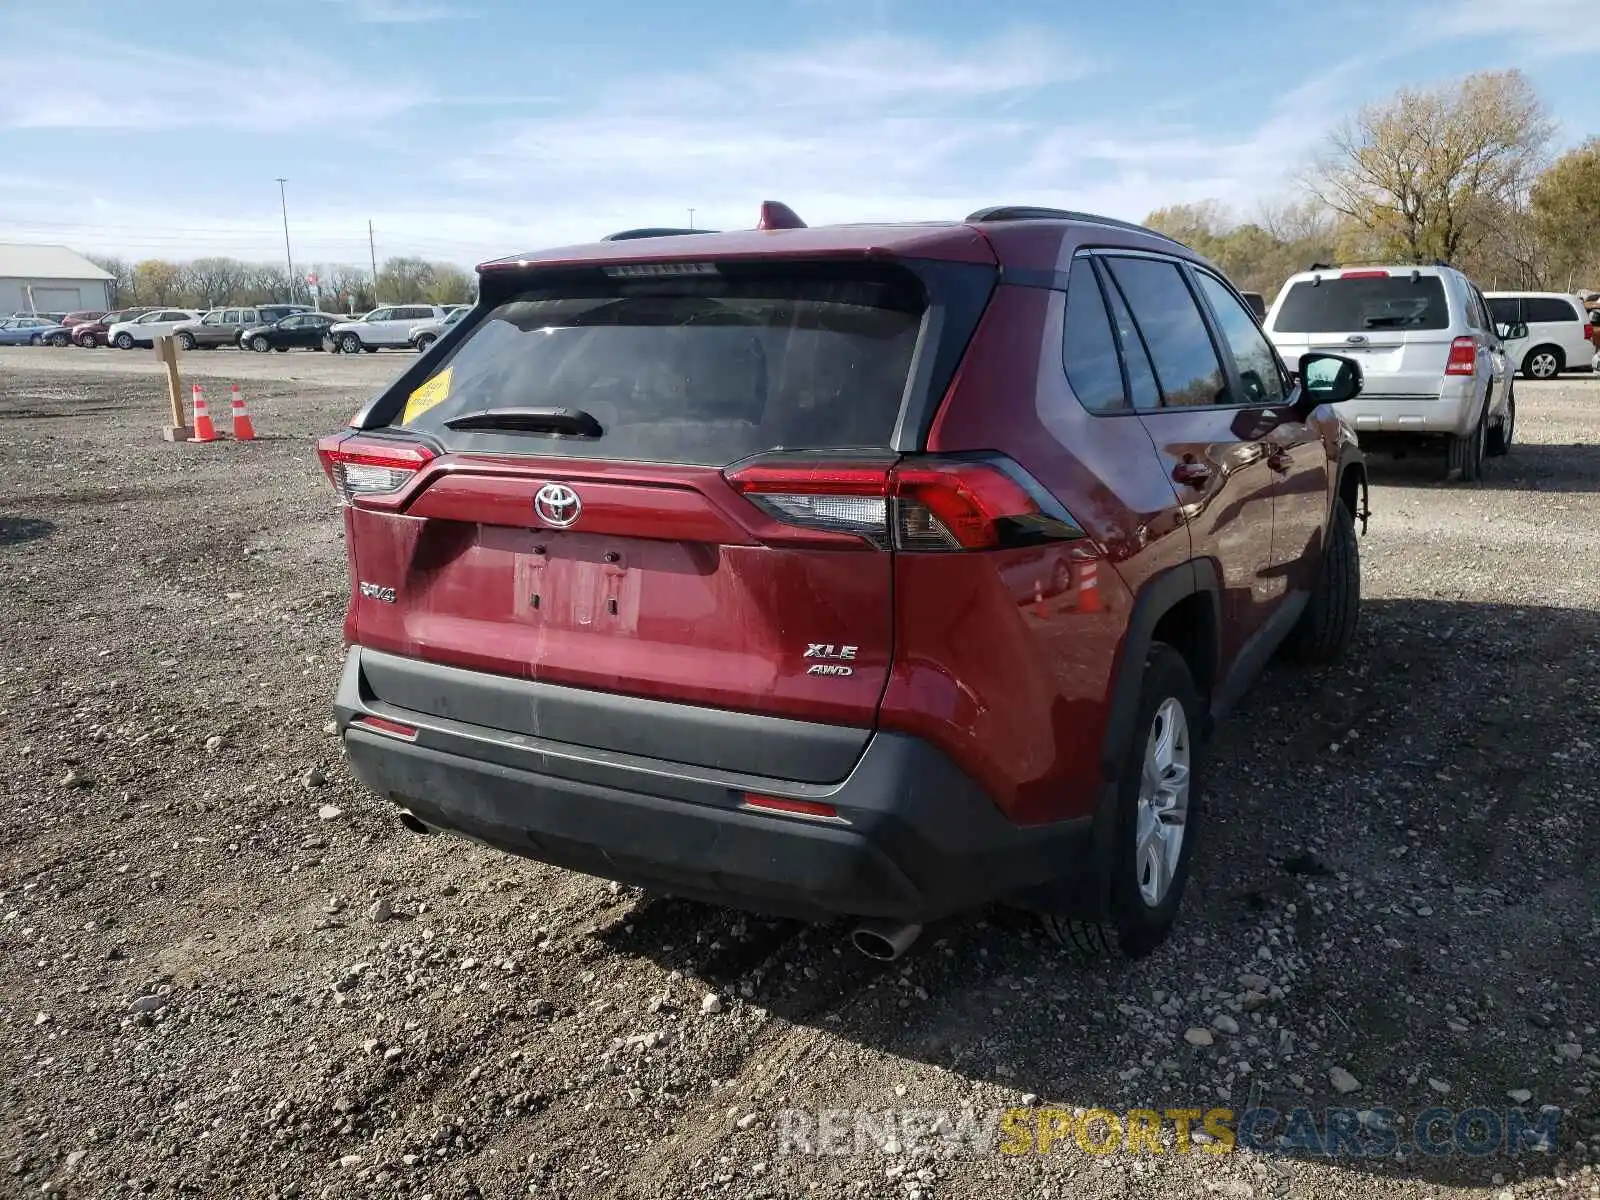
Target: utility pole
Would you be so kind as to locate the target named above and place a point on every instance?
(691, 218)
(372, 247)
(288, 254)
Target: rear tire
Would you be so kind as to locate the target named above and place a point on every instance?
(1464, 460)
(425, 343)
(1141, 914)
(1543, 362)
(1504, 430)
(186, 341)
(1328, 625)
(60, 340)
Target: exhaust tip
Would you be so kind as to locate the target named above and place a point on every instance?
(413, 822)
(884, 941)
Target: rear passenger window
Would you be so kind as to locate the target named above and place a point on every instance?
(1141, 375)
(1186, 362)
(1258, 366)
(1540, 309)
(1089, 351)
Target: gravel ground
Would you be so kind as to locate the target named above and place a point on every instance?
(225, 969)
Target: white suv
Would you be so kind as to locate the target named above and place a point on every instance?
(1558, 331)
(382, 327)
(1433, 363)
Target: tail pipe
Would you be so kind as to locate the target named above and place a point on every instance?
(884, 941)
(413, 822)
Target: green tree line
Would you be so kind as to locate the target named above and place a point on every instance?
(210, 282)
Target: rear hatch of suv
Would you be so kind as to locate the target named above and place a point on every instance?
(1395, 322)
(660, 483)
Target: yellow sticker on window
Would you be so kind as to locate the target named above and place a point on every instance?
(425, 397)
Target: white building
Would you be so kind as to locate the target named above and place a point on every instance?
(49, 279)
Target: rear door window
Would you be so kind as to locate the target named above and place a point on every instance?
(1363, 303)
(1186, 363)
(1542, 309)
(708, 368)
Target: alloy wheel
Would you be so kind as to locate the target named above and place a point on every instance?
(1163, 802)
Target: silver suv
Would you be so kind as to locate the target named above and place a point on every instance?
(1433, 362)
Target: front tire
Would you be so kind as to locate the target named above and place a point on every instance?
(186, 341)
(124, 341)
(350, 344)
(1328, 625)
(260, 344)
(89, 341)
(1543, 362)
(1157, 818)
(1504, 430)
(60, 340)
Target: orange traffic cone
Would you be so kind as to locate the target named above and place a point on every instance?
(1089, 587)
(243, 430)
(204, 431)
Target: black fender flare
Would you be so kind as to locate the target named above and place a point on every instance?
(1159, 596)
(1352, 461)
(1086, 894)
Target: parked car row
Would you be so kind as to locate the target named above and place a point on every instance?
(261, 327)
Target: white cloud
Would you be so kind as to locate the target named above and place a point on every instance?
(1536, 29)
(58, 79)
(877, 128)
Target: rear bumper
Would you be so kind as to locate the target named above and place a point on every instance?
(915, 840)
(1452, 410)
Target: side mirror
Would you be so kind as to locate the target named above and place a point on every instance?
(1326, 379)
(1510, 333)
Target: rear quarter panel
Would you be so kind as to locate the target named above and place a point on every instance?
(1007, 673)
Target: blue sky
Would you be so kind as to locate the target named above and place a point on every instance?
(466, 129)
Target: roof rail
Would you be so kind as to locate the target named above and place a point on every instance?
(1029, 212)
(628, 235)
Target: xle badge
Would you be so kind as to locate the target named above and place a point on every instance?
(840, 654)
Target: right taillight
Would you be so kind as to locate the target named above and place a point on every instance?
(1463, 357)
(916, 504)
(361, 468)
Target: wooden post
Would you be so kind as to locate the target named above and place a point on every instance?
(180, 429)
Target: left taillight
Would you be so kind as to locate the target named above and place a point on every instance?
(360, 468)
(1463, 357)
(926, 504)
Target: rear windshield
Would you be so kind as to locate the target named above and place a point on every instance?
(704, 369)
(1351, 305)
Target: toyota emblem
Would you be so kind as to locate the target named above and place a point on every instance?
(557, 505)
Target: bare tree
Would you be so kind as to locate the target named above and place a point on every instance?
(120, 289)
(1565, 213)
(404, 280)
(1427, 172)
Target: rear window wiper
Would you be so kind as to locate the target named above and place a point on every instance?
(570, 422)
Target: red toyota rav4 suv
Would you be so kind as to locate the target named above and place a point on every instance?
(864, 571)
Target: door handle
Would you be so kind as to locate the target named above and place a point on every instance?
(1195, 474)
